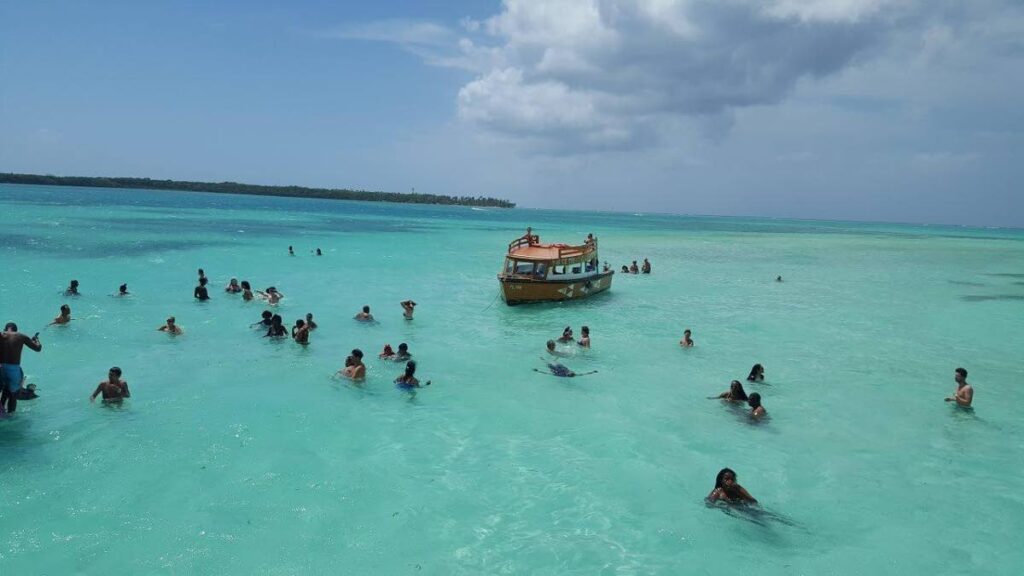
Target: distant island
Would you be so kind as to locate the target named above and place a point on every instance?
(254, 189)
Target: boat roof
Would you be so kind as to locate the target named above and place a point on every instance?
(548, 251)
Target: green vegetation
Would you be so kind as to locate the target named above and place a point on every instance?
(236, 188)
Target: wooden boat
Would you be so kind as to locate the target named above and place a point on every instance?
(536, 272)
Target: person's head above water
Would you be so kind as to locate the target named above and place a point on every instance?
(585, 330)
(551, 345)
(725, 477)
(245, 284)
(403, 347)
(115, 372)
(309, 315)
(11, 327)
(74, 283)
(203, 281)
(300, 323)
(123, 288)
(410, 368)
(65, 310)
(233, 282)
(170, 320)
(754, 401)
(388, 351)
(201, 273)
(276, 319)
(736, 390)
(960, 374)
(366, 309)
(357, 353)
(267, 314)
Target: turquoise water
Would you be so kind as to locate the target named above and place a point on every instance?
(238, 455)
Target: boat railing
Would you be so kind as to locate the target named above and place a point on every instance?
(563, 251)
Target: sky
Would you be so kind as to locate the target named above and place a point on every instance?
(882, 110)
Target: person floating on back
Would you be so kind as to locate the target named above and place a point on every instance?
(964, 393)
(200, 293)
(171, 327)
(408, 307)
(365, 315)
(11, 375)
(64, 317)
(686, 342)
(727, 490)
(756, 374)
(113, 389)
(560, 370)
(72, 289)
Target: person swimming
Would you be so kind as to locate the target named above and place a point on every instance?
(246, 291)
(403, 353)
(356, 370)
(566, 336)
(757, 411)
(276, 329)
(365, 315)
(625, 269)
(319, 253)
(408, 380)
(201, 293)
(72, 289)
(736, 393)
(554, 351)
(686, 342)
(387, 353)
(171, 327)
(584, 340)
(233, 287)
(300, 332)
(113, 389)
(64, 317)
(756, 373)
(122, 290)
(728, 491)
(408, 307)
(562, 371)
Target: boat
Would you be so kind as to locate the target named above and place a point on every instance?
(536, 272)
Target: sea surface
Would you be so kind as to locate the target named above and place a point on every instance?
(241, 455)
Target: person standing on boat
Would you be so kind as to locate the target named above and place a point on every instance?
(530, 239)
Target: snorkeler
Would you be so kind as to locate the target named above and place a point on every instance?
(64, 317)
(387, 353)
(309, 321)
(686, 342)
(72, 289)
(756, 374)
(276, 329)
(357, 370)
(300, 332)
(757, 411)
(233, 287)
(201, 293)
(964, 394)
(11, 375)
(403, 353)
(728, 491)
(246, 291)
(566, 336)
(122, 290)
(408, 307)
(171, 327)
(556, 369)
(408, 380)
(365, 315)
(736, 393)
(584, 340)
(114, 389)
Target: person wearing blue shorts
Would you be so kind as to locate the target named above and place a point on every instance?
(11, 374)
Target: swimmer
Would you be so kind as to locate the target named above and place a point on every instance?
(554, 351)
(233, 287)
(686, 342)
(309, 321)
(633, 268)
(625, 269)
(291, 252)
(365, 315)
(736, 393)
(964, 394)
(114, 389)
(584, 340)
(566, 336)
(171, 327)
(27, 393)
(246, 291)
(200, 293)
(408, 380)
(387, 353)
(408, 307)
(64, 317)
(276, 329)
(556, 369)
(403, 353)
(357, 370)
(201, 274)
(266, 320)
(319, 253)
(12, 343)
(757, 411)
(778, 278)
(272, 296)
(122, 290)
(300, 332)
(756, 374)
(646, 268)
(72, 289)
(728, 490)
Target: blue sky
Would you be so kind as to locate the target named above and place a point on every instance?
(898, 110)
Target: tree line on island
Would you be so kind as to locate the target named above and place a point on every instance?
(254, 189)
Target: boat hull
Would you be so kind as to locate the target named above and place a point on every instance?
(520, 290)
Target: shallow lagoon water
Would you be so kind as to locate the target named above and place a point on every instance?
(238, 455)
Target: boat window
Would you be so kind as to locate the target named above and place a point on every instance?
(558, 270)
(509, 265)
(541, 270)
(576, 269)
(524, 267)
